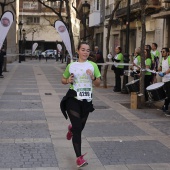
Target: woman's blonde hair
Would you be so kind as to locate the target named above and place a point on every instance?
(137, 50)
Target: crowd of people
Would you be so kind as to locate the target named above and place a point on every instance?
(86, 72)
(156, 63)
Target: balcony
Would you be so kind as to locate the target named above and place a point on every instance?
(151, 6)
(165, 12)
(94, 19)
(108, 11)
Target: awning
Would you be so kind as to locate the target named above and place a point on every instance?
(163, 14)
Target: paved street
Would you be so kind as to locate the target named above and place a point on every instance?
(32, 128)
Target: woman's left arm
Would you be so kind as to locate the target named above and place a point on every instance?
(96, 81)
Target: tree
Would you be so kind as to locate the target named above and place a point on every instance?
(108, 40)
(62, 18)
(3, 5)
(143, 17)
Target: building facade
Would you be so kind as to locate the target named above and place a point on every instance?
(38, 23)
(157, 23)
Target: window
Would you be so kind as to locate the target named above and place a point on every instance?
(98, 5)
(30, 5)
(55, 4)
(33, 20)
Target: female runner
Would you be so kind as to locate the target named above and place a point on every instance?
(77, 103)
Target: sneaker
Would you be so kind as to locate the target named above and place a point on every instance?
(1, 76)
(81, 162)
(69, 133)
(167, 114)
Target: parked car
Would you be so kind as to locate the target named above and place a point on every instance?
(48, 53)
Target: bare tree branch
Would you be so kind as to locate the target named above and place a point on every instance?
(10, 2)
(52, 9)
(75, 9)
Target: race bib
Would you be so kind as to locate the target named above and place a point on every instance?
(84, 93)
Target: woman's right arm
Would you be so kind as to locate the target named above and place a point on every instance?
(64, 80)
(67, 80)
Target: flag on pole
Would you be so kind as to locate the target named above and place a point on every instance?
(34, 46)
(63, 32)
(5, 24)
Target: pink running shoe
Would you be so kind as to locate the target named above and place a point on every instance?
(81, 162)
(69, 133)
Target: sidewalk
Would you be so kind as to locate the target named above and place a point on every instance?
(32, 128)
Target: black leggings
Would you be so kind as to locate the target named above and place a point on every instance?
(78, 124)
(167, 89)
(148, 80)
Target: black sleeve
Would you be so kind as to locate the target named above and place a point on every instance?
(117, 60)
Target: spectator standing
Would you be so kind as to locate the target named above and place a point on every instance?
(2, 54)
(55, 55)
(92, 57)
(46, 56)
(118, 69)
(152, 56)
(156, 54)
(136, 63)
(99, 57)
(148, 75)
(165, 74)
(39, 55)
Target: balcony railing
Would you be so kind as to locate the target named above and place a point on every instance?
(150, 4)
(123, 11)
(123, 4)
(109, 9)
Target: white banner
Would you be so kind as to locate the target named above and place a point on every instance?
(34, 46)
(5, 24)
(63, 32)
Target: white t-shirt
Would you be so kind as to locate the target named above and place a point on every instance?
(82, 81)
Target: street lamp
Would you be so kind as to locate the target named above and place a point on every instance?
(86, 8)
(20, 33)
(24, 39)
(126, 56)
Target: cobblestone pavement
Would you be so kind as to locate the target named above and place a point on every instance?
(32, 128)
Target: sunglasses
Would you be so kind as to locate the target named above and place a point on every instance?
(163, 51)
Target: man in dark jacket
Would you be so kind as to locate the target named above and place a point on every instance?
(2, 54)
(99, 57)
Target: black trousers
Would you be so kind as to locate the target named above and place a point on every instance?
(167, 90)
(148, 80)
(118, 74)
(1, 66)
